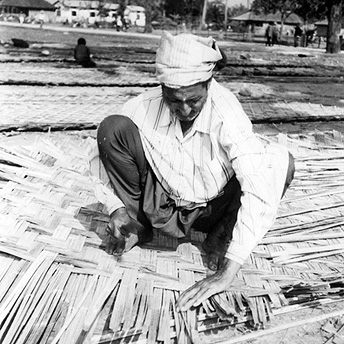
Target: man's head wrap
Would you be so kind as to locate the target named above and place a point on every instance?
(185, 59)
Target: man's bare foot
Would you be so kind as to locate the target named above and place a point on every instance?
(215, 248)
(116, 247)
(143, 236)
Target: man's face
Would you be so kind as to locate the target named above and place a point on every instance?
(186, 102)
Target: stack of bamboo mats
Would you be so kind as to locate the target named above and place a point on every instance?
(57, 284)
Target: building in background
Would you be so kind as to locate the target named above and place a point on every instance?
(84, 12)
(257, 23)
(15, 10)
(92, 12)
(136, 15)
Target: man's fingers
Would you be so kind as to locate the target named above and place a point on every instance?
(197, 294)
(185, 300)
(115, 246)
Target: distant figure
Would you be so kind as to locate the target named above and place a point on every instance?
(274, 29)
(41, 19)
(126, 22)
(310, 37)
(109, 21)
(21, 17)
(82, 54)
(119, 23)
(297, 34)
(268, 34)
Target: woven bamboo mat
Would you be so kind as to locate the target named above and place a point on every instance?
(57, 284)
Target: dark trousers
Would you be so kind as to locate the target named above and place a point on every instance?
(134, 182)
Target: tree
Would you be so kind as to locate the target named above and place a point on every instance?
(236, 10)
(216, 13)
(188, 11)
(204, 14)
(311, 10)
(334, 17)
(285, 7)
(152, 10)
(121, 8)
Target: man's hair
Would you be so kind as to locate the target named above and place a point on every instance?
(82, 41)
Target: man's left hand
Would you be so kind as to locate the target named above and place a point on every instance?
(220, 281)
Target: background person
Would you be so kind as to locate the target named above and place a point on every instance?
(82, 54)
(41, 19)
(275, 33)
(268, 34)
(297, 35)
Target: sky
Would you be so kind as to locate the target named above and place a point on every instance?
(232, 3)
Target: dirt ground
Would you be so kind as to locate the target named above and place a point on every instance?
(254, 72)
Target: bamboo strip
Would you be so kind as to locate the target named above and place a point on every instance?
(130, 285)
(311, 256)
(75, 310)
(147, 309)
(39, 321)
(29, 298)
(155, 317)
(164, 331)
(100, 299)
(313, 209)
(306, 250)
(6, 306)
(128, 282)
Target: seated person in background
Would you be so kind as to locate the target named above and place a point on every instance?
(82, 54)
(183, 155)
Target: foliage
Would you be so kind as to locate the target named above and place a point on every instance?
(236, 10)
(153, 9)
(215, 13)
(175, 8)
(185, 10)
(286, 7)
(311, 10)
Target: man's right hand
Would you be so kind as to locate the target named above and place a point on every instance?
(121, 226)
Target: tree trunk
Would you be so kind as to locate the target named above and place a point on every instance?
(226, 16)
(148, 27)
(204, 13)
(283, 19)
(334, 26)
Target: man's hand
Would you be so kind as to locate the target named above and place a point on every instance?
(121, 226)
(216, 283)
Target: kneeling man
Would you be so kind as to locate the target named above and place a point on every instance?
(183, 155)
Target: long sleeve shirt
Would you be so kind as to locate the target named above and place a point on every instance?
(194, 168)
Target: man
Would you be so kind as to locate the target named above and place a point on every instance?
(268, 34)
(275, 33)
(184, 155)
(82, 54)
(297, 34)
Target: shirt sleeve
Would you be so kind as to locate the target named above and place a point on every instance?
(100, 181)
(261, 171)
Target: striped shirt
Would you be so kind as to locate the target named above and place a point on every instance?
(194, 168)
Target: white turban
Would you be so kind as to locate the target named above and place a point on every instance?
(185, 59)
